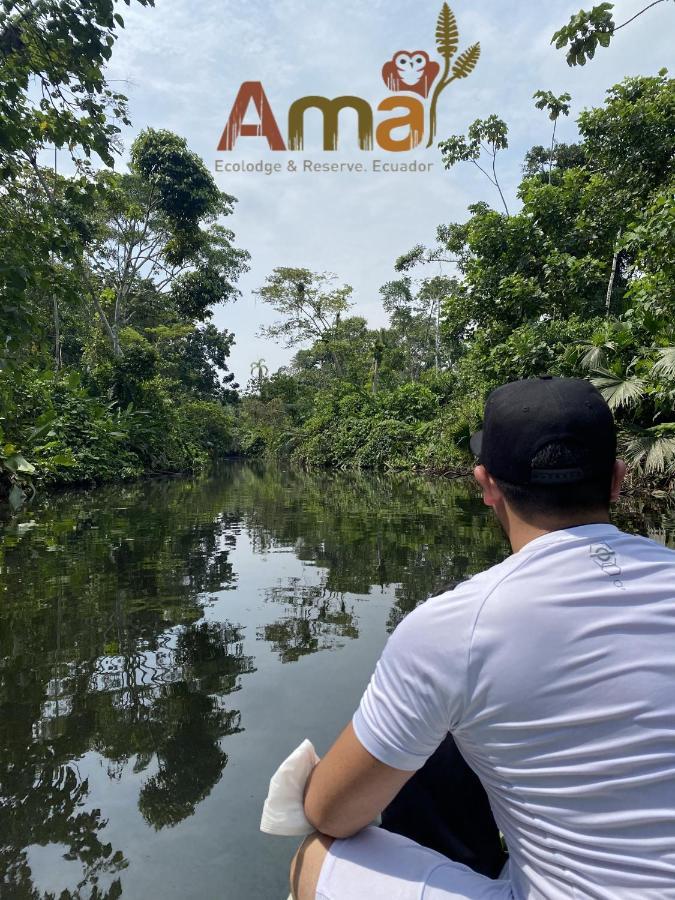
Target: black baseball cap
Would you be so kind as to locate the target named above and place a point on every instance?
(522, 417)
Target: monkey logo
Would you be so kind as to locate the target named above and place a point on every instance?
(407, 72)
(410, 71)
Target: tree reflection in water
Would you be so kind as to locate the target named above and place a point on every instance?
(105, 646)
(314, 619)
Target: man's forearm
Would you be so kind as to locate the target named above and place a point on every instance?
(349, 788)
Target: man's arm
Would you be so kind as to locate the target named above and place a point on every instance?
(350, 787)
(413, 699)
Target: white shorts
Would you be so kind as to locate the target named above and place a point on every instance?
(378, 865)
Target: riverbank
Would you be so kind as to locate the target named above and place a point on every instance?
(646, 503)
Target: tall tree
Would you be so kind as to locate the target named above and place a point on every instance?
(157, 234)
(53, 93)
(556, 106)
(310, 305)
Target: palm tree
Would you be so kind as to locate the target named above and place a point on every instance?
(260, 371)
(650, 449)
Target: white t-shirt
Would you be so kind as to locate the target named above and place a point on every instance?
(555, 673)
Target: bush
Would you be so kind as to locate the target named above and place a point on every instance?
(210, 424)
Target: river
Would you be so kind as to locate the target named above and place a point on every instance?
(165, 644)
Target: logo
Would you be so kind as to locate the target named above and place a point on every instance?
(605, 557)
(416, 82)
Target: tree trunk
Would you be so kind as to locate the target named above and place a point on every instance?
(550, 159)
(610, 286)
(58, 360)
(376, 372)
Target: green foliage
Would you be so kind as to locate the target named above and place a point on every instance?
(555, 106)
(210, 426)
(580, 282)
(146, 392)
(586, 31)
(109, 366)
(184, 187)
(409, 403)
(485, 136)
(63, 45)
(540, 161)
(309, 303)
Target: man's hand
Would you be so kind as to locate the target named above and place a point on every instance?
(349, 788)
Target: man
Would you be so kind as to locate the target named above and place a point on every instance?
(553, 671)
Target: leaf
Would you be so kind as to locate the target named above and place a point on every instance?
(43, 427)
(466, 62)
(447, 33)
(661, 455)
(16, 497)
(618, 390)
(652, 450)
(63, 459)
(593, 359)
(665, 365)
(17, 463)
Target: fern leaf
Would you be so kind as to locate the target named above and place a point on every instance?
(593, 358)
(447, 33)
(652, 451)
(618, 390)
(661, 455)
(466, 62)
(665, 365)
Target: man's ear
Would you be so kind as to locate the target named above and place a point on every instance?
(618, 476)
(491, 493)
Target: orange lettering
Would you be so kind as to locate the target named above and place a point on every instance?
(267, 127)
(414, 120)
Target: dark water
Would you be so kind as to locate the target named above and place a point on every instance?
(163, 646)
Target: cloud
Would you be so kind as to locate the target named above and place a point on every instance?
(184, 61)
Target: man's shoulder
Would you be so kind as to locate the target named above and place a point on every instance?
(647, 546)
(458, 605)
(483, 582)
(555, 558)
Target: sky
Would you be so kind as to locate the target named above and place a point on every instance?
(181, 65)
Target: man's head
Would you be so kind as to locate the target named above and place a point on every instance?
(547, 454)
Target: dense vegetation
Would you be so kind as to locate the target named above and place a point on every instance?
(110, 365)
(580, 281)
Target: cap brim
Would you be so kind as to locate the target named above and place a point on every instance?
(476, 443)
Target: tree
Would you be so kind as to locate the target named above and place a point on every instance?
(259, 371)
(53, 92)
(487, 136)
(556, 107)
(157, 234)
(415, 316)
(586, 31)
(310, 304)
(542, 163)
(578, 282)
(378, 355)
(63, 45)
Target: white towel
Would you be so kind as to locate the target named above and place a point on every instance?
(283, 811)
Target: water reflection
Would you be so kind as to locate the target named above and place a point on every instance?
(314, 619)
(112, 643)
